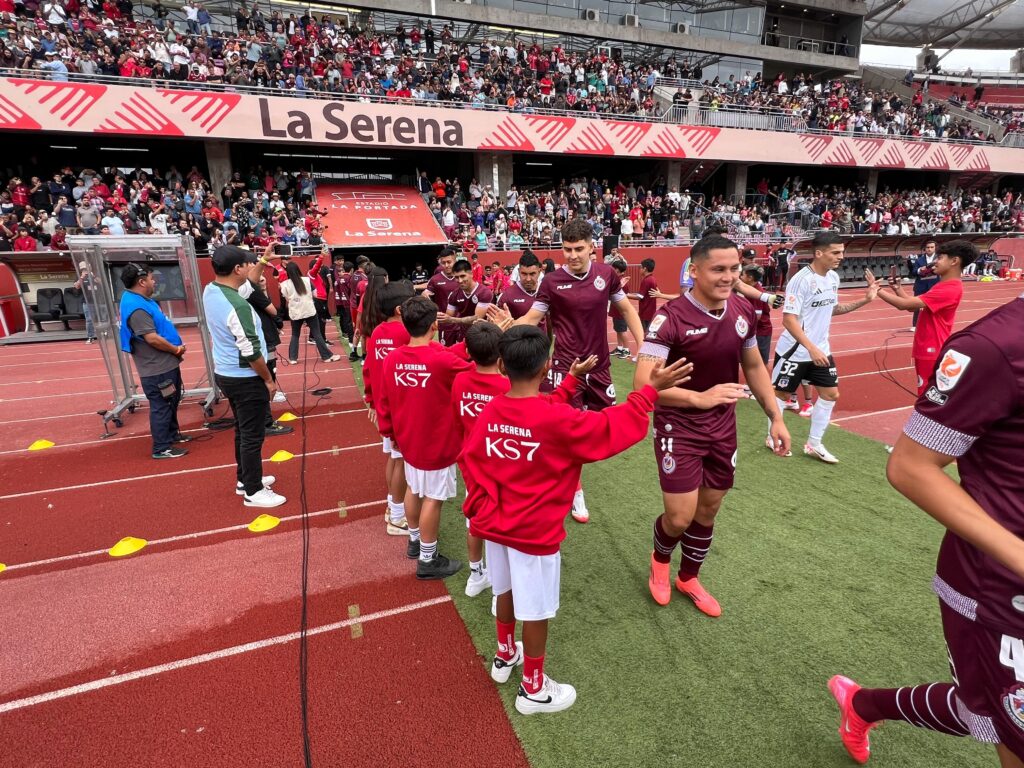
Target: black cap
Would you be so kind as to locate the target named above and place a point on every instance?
(748, 253)
(226, 257)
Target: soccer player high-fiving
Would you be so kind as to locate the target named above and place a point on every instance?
(695, 428)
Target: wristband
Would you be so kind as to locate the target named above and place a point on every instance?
(767, 298)
(263, 261)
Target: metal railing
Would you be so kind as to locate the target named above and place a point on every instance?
(808, 45)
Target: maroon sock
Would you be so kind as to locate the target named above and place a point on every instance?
(695, 543)
(930, 705)
(664, 544)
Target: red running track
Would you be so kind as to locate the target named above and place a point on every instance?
(185, 653)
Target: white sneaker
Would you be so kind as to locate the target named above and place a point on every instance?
(265, 498)
(266, 480)
(580, 513)
(280, 397)
(791, 405)
(552, 697)
(396, 528)
(769, 444)
(889, 448)
(501, 670)
(820, 452)
(478, 582)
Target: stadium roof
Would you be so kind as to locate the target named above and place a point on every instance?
(945, 23)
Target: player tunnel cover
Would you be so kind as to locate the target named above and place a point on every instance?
(364, 217)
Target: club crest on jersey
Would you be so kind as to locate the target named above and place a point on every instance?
(599, 283)
(610, 391)
(668, 464)
(950, 369)
(1013, 703)
(742, 327)
(475, 299)
(656, 323)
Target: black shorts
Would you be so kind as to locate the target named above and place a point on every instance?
(787, 375)
(619, 324)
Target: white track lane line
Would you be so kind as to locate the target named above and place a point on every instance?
(5, 400)
(281, 372)
(871, 413)
(123, 437)
(181, 537)
(159, 475)
(206, 658)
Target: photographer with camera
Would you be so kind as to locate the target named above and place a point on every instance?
(155, 346)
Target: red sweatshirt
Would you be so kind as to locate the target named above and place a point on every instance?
(413, 404)
(473, 390)
(385, 337)
(524, 459)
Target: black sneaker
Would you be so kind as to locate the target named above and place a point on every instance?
(412, 550)
(171, 453)
(278, 429)
(353, 356)
(438, 568)
(180, 438)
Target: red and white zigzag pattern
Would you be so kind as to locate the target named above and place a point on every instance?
(979, 162)
(960, 153)
(628, 134)
(915, 150)
(700, 138)
(69, 102)
(508, 136)
(13, 117)
(937, 160)
(590, 142)
(841, 155)
(815, 145)
(207, 110)
(665, 144)
(551, 130)
(869, 148)
(137, 115)
(891, 158)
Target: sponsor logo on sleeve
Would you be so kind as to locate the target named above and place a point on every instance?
(656, 323)
(951, 368)
(742, 327)
(934, 396)
(599, 283)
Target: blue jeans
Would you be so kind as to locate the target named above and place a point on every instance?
(163, 412)
(90, 331)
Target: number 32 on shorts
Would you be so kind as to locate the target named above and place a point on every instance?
(788, 368)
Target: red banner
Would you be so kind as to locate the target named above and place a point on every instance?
(371, 217)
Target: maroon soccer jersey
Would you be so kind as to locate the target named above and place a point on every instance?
(764, 314)
(973, 409)
(518, 302)
(441, 288)
(465, 305)
(684, 328)
(577, 307)
(648, 304)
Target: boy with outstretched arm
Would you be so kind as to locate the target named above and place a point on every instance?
(471, 392)
(523, 461)
(413, 409)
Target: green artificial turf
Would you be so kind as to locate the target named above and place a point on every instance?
(820, 570)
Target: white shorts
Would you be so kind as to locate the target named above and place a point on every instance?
(437, 484)
(390, 450)
(533, 579)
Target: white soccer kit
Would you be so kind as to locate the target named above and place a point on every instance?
(812, 298)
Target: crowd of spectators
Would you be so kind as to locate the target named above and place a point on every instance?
(842, 105)
(38, 213)
(485, 219)
(305, 53)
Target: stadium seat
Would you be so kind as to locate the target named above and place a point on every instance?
(74, 306)
(49, 306)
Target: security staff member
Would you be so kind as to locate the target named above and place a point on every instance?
(155, 346)
(924, 274)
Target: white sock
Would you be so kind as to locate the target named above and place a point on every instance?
(820, 418)
(781, 405)
(397, 511)
(477, 566)
(427, 550)
(414, 534)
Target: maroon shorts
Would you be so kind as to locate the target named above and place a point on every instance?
(687, 461)
(595, 393)
(991, 692)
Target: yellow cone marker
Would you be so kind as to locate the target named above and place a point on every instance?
(287, 416)
(282, 456)
(264, 523)
(129, 545)
(2, 567)
(41, 445)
